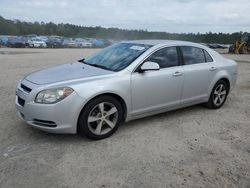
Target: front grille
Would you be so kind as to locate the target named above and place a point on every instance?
(25, 88)
(44, 123)
(20, 101)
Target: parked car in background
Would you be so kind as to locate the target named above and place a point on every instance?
(98, 43)
(3, 40)
(218, 46)
(16, 42)
(36, 43)
(55, 42)
(107, 42)
(43, 38)
(82, 43)
(69, 43)
(125, 81)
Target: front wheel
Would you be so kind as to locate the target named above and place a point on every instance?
(100, 118)
(218, 95)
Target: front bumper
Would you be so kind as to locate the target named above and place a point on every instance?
(60, 117)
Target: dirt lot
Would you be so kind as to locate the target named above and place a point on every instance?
(191, 147)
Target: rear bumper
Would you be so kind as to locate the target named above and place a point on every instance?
(234, 79)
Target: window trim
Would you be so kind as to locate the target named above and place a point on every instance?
(204, 55)
(180, 55)
(136, 69)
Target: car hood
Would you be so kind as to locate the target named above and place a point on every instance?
(65, 72)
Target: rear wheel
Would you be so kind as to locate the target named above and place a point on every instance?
(100, 118)
(218, 95)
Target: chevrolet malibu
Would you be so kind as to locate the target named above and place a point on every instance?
(125, 81)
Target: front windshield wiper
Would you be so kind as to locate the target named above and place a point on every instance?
(99, 66)
(94, 65)
(82, 60)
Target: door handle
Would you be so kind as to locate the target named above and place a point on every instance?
(212, 68)
(177, 73)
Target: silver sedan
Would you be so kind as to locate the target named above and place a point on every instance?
(123, 82)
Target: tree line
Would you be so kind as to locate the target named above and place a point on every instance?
(17, 27)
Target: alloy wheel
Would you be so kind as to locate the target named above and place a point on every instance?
(219, 95)
(102, 118)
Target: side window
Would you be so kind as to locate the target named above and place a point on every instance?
(166, 57)
(192, 55)
(208, 57)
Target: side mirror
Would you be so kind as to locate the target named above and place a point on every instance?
(149, 65)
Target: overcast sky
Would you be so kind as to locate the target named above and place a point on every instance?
(154, 15)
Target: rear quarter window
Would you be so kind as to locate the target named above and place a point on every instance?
(208, 57)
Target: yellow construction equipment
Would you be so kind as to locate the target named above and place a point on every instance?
(241, 47)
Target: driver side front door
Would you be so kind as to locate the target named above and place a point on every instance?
(158, 89)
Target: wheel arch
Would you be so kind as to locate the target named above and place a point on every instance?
(227, 82)
(115, 95)
(221, 75)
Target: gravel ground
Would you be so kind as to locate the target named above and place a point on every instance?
(191, 147)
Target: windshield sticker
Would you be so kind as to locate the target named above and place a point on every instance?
(139, 48)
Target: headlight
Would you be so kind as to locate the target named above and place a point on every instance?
(51, 96)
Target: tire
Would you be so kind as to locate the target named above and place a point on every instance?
(100, 118)
(218, 95)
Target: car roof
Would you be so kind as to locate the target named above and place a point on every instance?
(164, 42)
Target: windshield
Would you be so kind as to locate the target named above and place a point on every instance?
(118, 56)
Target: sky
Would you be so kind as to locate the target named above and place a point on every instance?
(174, 16)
